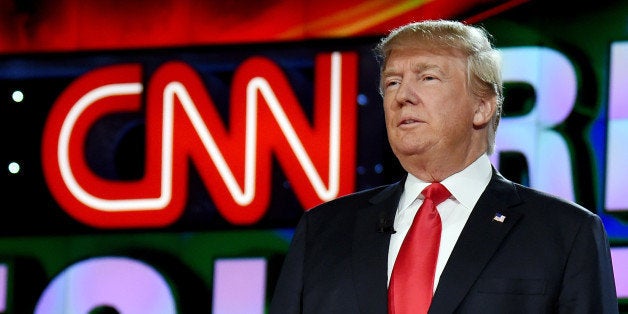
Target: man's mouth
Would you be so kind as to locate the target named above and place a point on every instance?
(408, 121)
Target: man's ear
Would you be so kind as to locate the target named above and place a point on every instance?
(484, 111)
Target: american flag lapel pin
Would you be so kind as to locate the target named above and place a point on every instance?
(499, 217)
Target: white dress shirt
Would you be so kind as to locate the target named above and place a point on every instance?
(465, 186)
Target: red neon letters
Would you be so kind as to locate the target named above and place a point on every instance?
(182, 124)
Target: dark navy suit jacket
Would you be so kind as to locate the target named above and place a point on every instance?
(547, 256)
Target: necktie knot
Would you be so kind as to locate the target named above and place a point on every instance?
(436, 192)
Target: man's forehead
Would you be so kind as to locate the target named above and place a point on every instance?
(426, 49)
(416, 65)
(423, 59)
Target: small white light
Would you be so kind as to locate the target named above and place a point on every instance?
(18, 96)
(14, 167)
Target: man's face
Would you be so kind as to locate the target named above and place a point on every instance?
(428, 106)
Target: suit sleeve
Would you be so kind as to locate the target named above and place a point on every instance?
(588, 283)
(287, 298)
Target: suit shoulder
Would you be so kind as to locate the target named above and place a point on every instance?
(548, 204)
(353, 200)
(349, 204)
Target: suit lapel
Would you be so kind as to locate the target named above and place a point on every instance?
(370, 250)
(479, 240)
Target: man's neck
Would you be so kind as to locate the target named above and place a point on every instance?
(437, 170)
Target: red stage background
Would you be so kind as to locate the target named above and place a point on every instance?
(75, 25)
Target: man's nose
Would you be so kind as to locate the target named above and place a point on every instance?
(406, 94)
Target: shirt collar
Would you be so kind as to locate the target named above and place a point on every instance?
(465, 186)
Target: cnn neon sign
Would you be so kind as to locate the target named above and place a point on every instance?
(182, 124)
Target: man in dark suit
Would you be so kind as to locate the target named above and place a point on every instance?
(501, 247)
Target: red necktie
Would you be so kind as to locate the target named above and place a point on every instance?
(412, 280)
